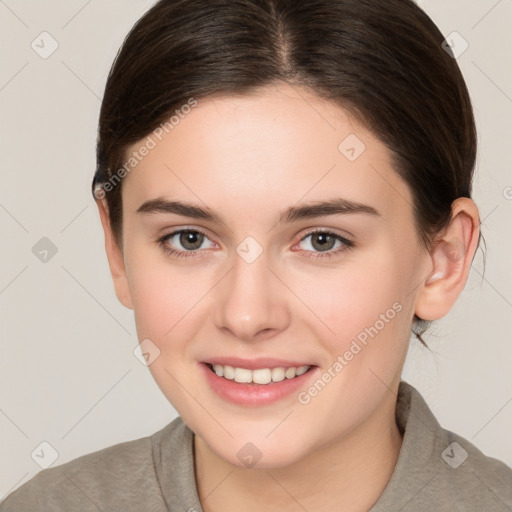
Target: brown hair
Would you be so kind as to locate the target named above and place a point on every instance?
(382, 60)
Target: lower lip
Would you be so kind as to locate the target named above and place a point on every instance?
(254, 394)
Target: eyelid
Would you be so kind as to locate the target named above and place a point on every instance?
(170, 232)
(333, 231)
(342, 236)
(173, 232)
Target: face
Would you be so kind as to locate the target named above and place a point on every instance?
(253, 278)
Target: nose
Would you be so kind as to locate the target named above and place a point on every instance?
(251, 302)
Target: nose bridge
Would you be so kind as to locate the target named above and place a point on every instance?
(249, 301)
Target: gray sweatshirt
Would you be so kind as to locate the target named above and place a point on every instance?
(436, 471)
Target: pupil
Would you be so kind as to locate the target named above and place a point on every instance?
(323, 240)
(191, 237)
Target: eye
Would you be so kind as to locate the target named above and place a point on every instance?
(324, 242)
(190, 239)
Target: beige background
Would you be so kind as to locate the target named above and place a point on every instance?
(68, 375)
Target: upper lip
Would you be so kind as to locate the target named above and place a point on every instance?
(256, 363)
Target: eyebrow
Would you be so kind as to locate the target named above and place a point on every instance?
(292, 214)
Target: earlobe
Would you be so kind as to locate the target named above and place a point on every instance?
(451, 256)
(115, 257)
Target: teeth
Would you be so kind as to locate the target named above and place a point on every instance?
(229, 372)
(290, 373)
(259, 376)
(243, 375)
(301, 370)
(278, 374)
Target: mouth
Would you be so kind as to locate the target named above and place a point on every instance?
(259, 376)
(265, 382)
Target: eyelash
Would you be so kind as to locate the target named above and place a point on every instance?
(348, 244)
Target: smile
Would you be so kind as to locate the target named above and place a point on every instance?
(266, 382)
(258, 376)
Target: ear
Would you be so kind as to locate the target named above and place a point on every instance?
(115, 257)
(452, 254)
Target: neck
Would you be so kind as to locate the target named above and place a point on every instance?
(348, 474)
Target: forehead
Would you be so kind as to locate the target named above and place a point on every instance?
(262, 152)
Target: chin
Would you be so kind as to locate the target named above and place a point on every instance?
(262, 454)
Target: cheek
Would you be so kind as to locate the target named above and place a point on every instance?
(167, 302)
(368, 309)
(165, 297)
(349, 299)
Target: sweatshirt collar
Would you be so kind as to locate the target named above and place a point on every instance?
(173, 455)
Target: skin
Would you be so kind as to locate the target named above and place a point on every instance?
(248, 158)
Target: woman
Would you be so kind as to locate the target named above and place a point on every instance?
(285, 191)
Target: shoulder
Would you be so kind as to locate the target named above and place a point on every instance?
(440, 470)
(119, 476)
(468, 477)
